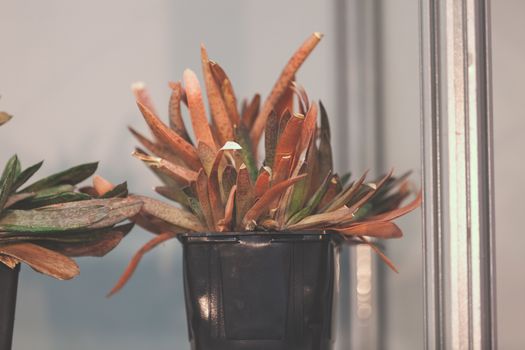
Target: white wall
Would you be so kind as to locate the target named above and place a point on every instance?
(509, 139)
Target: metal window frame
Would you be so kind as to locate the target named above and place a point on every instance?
(458, 208)
(359, 103)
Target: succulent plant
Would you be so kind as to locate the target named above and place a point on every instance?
(218, 179)
(46, 223)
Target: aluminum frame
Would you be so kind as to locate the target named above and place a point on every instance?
(359, 103)
(458, 208)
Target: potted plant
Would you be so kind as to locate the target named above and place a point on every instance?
(48, 222)
(260, 241)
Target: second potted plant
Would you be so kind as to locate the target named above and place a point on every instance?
(261, 235)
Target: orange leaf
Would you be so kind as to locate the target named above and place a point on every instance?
(42, 260)
(201, 127)
(263, 182)
(378, 229)
(176, 121)
(244, 196)
(225, 223)
(309, 127)
(102, 185)
(207, 156)
(142, 95)
(214, 191)
(217, 107)
(230, 101)
(290, 136)
(201, 187)
(136, 260)
(158, 150)
(282, 83)
(180, 146)
(180, 174)
(263, 203)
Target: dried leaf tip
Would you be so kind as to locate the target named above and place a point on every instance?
(145, 157)
(138, 86)
(231, 146)
(318, 35)
(101, 185)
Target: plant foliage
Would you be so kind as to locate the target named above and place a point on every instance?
(221, 182)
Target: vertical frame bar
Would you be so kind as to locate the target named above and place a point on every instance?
(359, 132)
(457, 175)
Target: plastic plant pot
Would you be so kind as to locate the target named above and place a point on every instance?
(8, 287)
(261, 290)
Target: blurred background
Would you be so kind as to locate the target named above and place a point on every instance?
(65, 72)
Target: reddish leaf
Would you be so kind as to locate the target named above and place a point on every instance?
(163, 237)
(282, 83)
(217, 106)
(201, 127)
(171, 138)
(42, 260)
(262, 205)
(176, 121)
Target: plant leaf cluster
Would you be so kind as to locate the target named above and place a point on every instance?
(221, 182)
(46, 223)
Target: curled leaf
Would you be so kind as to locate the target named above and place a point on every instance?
(42, 260)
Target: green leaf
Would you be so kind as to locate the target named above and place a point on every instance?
(300, 191)
(325, 149)
(312, 202)
(121, 190)
(56, 198)
(345, 178)
(242, 136)
(11, 171)
(70, 176)
(26, 175)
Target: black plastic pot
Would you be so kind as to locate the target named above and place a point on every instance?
(261, 290)
(8, 287)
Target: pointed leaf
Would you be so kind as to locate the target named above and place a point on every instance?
(250, 112)
(71, 176)
(201, 187)
(230, 101)
(178, 173)
(217, 106)
(178, 145)
(201, 127)
(270, 139)
(248, 156)
(4, 118)
(42, 260)
(25, 175)
(98, 244)
(9, 175)
(282, 83)
(171, 214)
(262, 204)
(157, 149)
(137, 257)
(176, 120)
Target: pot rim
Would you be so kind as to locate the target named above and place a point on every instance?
(271, 236)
